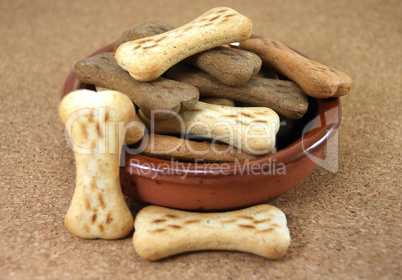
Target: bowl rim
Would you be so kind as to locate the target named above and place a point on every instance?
(327, 120)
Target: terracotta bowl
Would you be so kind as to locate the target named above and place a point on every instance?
(211, 187)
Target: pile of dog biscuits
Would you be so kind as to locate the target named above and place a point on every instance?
(163, 85)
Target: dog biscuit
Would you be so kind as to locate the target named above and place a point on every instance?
(160, 96)
(284, 97)
(148, 58)
(317, 80)
(230, 66)
(219, 101)
(162, 232)
(251, 129)
(98, 208)
(171, 147)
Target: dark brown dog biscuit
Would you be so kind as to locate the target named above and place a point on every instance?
(145, 30)
(228, 65)
(160, 94)
(284, 97)
(171, 147)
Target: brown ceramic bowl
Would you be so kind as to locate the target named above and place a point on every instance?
(208, 187)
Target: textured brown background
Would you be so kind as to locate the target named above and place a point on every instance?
(344, 225)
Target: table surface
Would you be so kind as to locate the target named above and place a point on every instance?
(344, 224)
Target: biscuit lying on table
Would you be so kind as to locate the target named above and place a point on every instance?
(161, 232)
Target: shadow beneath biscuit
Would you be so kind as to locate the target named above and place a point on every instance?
(135, 205)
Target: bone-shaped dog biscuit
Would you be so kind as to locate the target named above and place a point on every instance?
(170, 147)
(284, 97)
(251, 129)
(135, 130)
(94, 121)
(161, 95)
(161, 232)
(148, 58)
(230, 66)
(316, 79)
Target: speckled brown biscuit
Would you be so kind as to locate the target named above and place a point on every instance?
(316, 79)
(228, 65)
(284, 97)
(144, 30)
(171, 147)
(160, 94)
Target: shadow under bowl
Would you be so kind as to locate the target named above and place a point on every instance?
(224, 186)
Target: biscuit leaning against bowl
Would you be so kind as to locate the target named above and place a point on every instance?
(98, 208)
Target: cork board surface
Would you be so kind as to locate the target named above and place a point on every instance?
(344, 224)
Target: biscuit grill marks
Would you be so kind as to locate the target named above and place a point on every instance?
(161, 232)
(317, 80)
(284, 97)
(251, 129)
(148, 58)
(98, 208)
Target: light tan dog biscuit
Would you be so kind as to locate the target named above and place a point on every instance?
(171, 147)
(161, 232)
(148, 58)
(93, 119)
(100, 88)
(317, 80)
(230, 66)
(251, 129)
